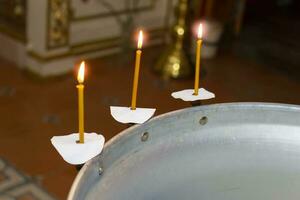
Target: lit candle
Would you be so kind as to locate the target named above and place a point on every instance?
(80, 87)
(197, 67)
(136, 70)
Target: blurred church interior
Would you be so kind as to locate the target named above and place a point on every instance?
(251, 52)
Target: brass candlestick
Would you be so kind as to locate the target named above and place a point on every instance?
(174, 63)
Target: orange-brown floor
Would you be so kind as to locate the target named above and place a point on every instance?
(35, 110)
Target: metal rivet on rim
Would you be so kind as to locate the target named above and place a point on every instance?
(203, 120)
(145, 137)
(100, 170)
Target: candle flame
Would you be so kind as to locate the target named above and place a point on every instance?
(140, 40)
(80, 76)
(200, 31)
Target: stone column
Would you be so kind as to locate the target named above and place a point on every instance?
(48, 37)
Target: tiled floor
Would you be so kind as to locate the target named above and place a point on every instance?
(32, 111)
(14, 185)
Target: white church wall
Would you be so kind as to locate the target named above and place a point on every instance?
(60, 32)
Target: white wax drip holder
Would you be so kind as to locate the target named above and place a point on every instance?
(78, 153)
(188, 95)
(126, 115)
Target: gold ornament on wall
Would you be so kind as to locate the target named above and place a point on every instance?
(19, 8)
(58, 23)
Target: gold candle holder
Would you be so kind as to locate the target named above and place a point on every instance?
(174, 63)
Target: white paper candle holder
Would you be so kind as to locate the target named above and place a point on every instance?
(188, 95)
(78, 153)
(126, 115)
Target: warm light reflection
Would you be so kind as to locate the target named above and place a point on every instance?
(200, 31)
(140, 40)
(80, 75)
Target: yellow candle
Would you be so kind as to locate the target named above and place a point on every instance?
(137, 70)
(80, 87)
(198, 54)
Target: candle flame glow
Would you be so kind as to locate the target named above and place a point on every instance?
(200, 31)
(80, 76)
(140, 40)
